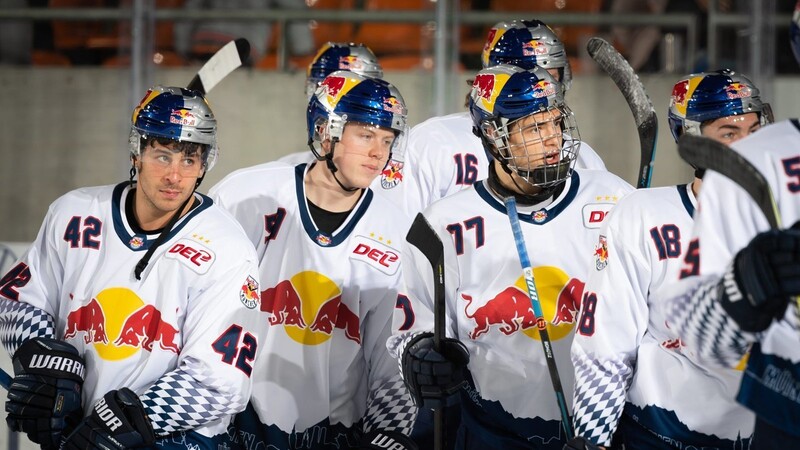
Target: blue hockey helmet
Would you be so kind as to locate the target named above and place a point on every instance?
(503, 95)
(177, 114)
(333, 56)
(346, 96)
(711, 95)
(526, 44)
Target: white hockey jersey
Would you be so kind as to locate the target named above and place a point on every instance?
(329, 299)
(510, 398)
(190, 326)
(624, 347)
(726, 222)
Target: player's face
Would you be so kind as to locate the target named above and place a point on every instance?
(167, 177)
(535, 140)
(362, 152)
(731, 128)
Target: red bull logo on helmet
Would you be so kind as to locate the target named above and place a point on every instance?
(738, 90)
(182, 117)
(393, 105)
(543, 88)
(392, 174)
(335, 87)
(310, 308)
(350, 62)
(534, 48)
(117, 323)
(509, 311)
(680, 93)
(250, 294)
(491, 40)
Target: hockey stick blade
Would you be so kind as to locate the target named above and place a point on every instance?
(707, 153)
(5, 379)
(229, 58)
(422, 236)
(644, 114)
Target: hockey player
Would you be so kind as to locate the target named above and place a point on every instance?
(330, 268)
(333, 56)
(142, 294)
(627, 361)
(443, 156)
(745, 294)
(508, 401)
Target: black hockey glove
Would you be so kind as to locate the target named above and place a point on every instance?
(432, 377)
(44, 398)
(758, 285)
(580, 443)
(390, 440)
(118, 421)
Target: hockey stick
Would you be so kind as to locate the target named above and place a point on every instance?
(541, 323)
(5, 379)
(621, 72)
(422, 236)
(707, 153)
(227, 59)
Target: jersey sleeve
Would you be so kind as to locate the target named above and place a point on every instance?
(222, 330)
(589, 159)
(29, 291)
(614, 317)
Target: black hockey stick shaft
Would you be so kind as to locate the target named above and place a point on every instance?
(644, 114)
(541, 323)
(422, 236)
(227, 59)
(709, 154)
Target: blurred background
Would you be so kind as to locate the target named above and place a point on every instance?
(71, 72)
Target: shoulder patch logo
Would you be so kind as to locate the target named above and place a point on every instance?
(192, 254)
(377, 254)
(601, 254)
(392, 174)
(250, 293)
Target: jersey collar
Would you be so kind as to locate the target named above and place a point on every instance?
(539, 216)
(687, 197)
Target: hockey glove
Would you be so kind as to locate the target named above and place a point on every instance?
(432, 377)
(118, 421)
(390, 440)
(580, 443)
(44, 397)
(762, 278)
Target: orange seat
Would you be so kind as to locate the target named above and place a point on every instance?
(163, 40)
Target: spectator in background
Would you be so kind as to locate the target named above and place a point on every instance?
(199, 38)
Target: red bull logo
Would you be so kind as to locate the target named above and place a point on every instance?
(543, 88)
(350, 63)
(510, 310)
(249, 294)
(737, 90)
(118, 324)
(144, 327)
(182, 117)
(310, 309)
(539, 216)
(679, 93)
(393, 105)
(333, 86)
(601, 254)
(136, 242)
(491, 39)
(534, 48)
(483, 86)
(392, 174)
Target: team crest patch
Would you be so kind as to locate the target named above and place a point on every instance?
(136, 242)
(392, 175)
(250, 294)
(539, 216)
(601, 254)
(323, 240)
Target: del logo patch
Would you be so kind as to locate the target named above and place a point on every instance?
(192, 254)
(594, 213)
(377, 254)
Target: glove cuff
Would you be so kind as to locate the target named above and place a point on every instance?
(384, 439)
(50, 357)
(739, 308)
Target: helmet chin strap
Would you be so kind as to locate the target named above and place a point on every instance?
(332, 167)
